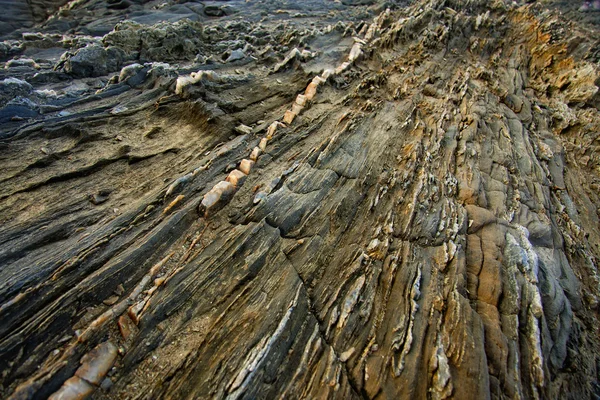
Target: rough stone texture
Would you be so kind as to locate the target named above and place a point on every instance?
(17, 14)
(424, 225)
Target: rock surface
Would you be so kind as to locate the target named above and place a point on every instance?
(280, 199)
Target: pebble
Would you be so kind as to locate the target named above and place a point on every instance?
(236, 177)
(243, 129)
(246, 166)
(256, 152)
(111, 300)
(288, 117)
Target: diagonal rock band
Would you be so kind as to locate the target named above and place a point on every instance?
(355, 199)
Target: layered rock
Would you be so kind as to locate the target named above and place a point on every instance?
(409, 212)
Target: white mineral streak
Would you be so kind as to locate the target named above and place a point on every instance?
(527, 261)
(415, 293)
(257, 355)
(350, 300)
(310, 352)
(195, 77)
(355, 53)
(442, 379)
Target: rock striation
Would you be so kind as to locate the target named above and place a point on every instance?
(280, 199)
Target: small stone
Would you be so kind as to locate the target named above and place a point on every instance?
(226, 189)
(111, 300)
(288, 117)
(246, 166)
(271, 130)
(301, 100)
(220, 193)
(344, 66)
(93, 60)
(311, 91)
(243, 129)
(236, 55)
(100, 197)
(126, 326)
(256, 152)
(129, 71)
(259, 197)
(96, 364)
(22, 62)
(118, 110)
(355, 52)
(209, 200)
(236, 177)
(262, 145)
(73, 388)
(297, 108)
(347, 354)
(119, 290)
(327, 73)
(13, 87)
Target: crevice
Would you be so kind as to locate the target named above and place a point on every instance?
(361, 393)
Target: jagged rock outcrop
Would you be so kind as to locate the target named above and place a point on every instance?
(397, 201)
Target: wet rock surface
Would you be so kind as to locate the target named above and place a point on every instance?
(279, 199)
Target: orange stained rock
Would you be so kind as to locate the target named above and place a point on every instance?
(173, 203)
(222, 191)
(224, 188)
(301, 100)
(96, 364)
(311, 91)
(255, 154)
(263, 144)
(236, 177)
(126, 326)
(296, 108)
(344, 66)
(246, 166)
(74, 388)
(272, 129)
(94, 367)
(288, 117)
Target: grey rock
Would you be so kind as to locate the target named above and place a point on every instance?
(236, 55)
(129, 71)
(94, 60)
(13, 87)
